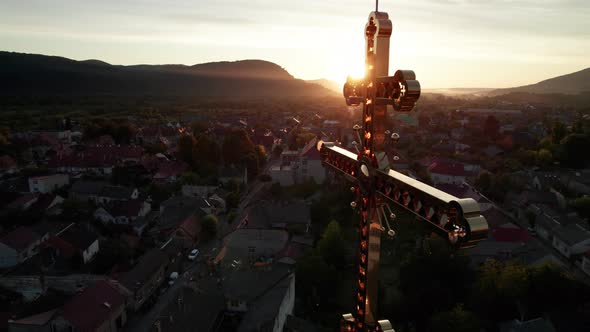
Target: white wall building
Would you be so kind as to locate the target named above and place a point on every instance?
(572, 239)
(48, 183)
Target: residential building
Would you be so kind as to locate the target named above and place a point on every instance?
(448, 172)
(122, 212)
(189, 232)
(262, 297)
(533, 325)
(299, 166)
(8, 165)
(101, 192)
(280, 214)
(572, 239)
(48, 183)
(82, 240)
(250, 245)
(99, 308)
(41, 322)
(283, 174)
(145, 278)
(19, 245)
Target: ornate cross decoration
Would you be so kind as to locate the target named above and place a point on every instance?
(377, 186)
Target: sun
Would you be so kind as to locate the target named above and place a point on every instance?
(344, 65)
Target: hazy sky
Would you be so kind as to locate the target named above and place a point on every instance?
(448, 43)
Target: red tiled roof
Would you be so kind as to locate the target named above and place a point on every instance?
(7, 163)
(191, 226)
(97, 156)
(447, 168)
(89, 310)
(43, 202)
(65, 248)
(510, 235)
(20, 239)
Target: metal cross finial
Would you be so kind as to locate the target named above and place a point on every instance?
(376, 186)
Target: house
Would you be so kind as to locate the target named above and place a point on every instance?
(48, 183)
(19, 245)
(40, 322)
(310, 164)
(299, 166)
(250, 245)
(442, 171)
(175, 210)
(533, 325)
(50, 204)
(100, 307)
(262, 297)
(7, 165)
(170, 171)
(189, 231)
(283, 174)
(228, 174)
(145, 278)
(86, 191)
(122, 212)
(116, 193)
(101, 192)
(99, 160)
(22, 202)
(80, 241)
(572, 239)
(202, 297)
(279, 214)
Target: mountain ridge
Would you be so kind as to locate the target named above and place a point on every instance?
(35, 74)
(570, 84)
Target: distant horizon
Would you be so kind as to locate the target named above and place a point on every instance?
(448, 43)
(286, 69)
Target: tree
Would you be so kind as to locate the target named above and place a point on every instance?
(491, 127)
(558, 132)
(261, 154)
(236, 146)
(276, 151)
(232, 200)
(209, 225)
(483, 181)
(544, 157)
(456, 320)
(185, 148)
(315, 279)
(332, 246)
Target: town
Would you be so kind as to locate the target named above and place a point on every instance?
(225, 219)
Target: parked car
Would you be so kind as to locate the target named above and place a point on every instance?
(193, 254)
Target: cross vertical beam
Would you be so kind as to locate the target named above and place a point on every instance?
(376, 185)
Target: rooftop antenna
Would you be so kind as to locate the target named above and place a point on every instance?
(376, 5)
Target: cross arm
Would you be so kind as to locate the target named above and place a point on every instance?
(457, 219)
(401, 90)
